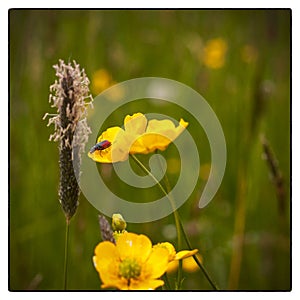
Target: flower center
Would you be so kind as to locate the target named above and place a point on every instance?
(129, 268)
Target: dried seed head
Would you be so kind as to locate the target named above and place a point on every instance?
(106, 231)
(70, 95)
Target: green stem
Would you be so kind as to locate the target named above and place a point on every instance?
(178, 223)
(140, 164)
(198, 262)
(66, 254)
(176, 216)
(167, 282)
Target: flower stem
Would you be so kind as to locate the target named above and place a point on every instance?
(176, 216)
(198, 262)
(178, 223)
(66, 253)
(140, 164)
(167, 283)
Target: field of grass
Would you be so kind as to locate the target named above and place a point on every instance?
(239, 61)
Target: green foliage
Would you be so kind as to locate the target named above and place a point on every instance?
(250, 94)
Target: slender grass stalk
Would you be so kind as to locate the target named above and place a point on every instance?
(178, 224)
(69, 95)
(66, 254)
(276, 176)
(239, 231)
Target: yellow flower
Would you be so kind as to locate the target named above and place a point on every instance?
(139, 136)
(172, 252)
(173, 256)
(131, 264)
(214, 53)
(101, 80)
(189, 265)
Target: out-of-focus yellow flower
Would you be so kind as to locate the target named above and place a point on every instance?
(172, 266)
(139, 136)
(214, 53)
(101, 80)
(172, 252)
(173, 256)
(131, 263)
(188, 264)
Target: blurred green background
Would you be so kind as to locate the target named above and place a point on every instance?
(239, 61)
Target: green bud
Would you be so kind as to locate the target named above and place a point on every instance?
(118, 223)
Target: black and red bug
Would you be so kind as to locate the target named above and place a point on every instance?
(100, 146)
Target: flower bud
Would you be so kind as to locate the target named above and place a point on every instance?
(118, 223)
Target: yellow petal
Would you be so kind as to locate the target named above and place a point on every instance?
(105, 253)
(138, 146)
(106, 261)
(110, 134)
(185, 253)
(115, 281)
(166, 128)
(160, 125)
(183, 123)
(169, 247)
(154, 141)
(105, 157)
(172, 266)
(157, 263)
(189, 264)
(150, 284)
(135, 124)
(118, 151)
(159, 134)
(134, 246)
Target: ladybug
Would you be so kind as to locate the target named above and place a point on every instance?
(100, 146)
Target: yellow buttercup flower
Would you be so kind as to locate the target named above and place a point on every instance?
(101, 80)
(138, 136)
(172, 252)
(131, 263)
(189, 265)
(215, 53)
(175, 257)
(158, 135)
